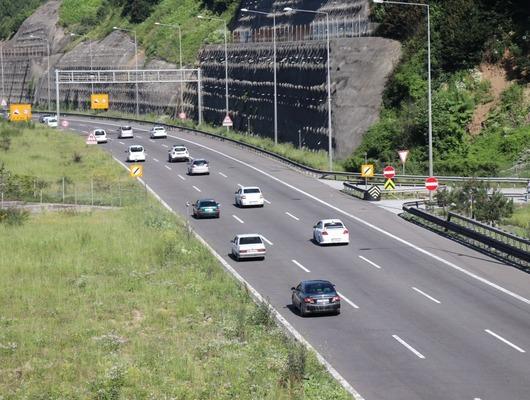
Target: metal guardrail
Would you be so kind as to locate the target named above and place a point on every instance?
(333, 175)
(489, 239)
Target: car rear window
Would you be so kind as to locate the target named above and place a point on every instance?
(137, 149)
(99, 133)
(179, 148)
(333, 225)
(126, 128)
(253, 190)
(200, 162)
(208, 203)
(319, 288)
(250, 240)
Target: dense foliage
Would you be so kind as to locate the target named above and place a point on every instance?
(13, 13)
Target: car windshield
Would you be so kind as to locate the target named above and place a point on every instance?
(137, 149)
(208, 203)
(250, 240)
(319, 288)
(333, 225)
(253, 190)
(179, 148)
(200, 162)
(126, 128)
(99, 133)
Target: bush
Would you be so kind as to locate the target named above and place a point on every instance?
(13, 216)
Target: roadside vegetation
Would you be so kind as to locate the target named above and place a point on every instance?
(91, 308)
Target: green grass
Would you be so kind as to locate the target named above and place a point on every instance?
(120, 305)
(519, 222)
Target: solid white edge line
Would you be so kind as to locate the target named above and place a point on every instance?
(155, 159)
(165, 145)
(223, 175)
(292, 216)
(300, 265)
(120, 142)
(266, 201)
(167, 167)
(370, 262)
(180, 176)
(426, 295)
(238, 219)
(351, 303)
(408, 346)
(196, 188)
(505, 341)
(267, 240)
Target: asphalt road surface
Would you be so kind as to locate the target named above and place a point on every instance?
(422, 317)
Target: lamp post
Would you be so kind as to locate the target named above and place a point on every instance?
(330, 129)
(180, 61)
(48, 51)
(226, 57)
(91, 62)
(2, 68)
(431, 169)
(135, 60)
(274, 68)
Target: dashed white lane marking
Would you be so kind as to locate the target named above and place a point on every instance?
(504, 341)
(223, 175)
(181, 177)
(292, 216)
(266, 201)
(139, 137)
(240, 185)
(238, 219)
(151, 140)
(196, 188)
(121, 142)
(165, 145)
(351, 303)
(300, 265)
(370, 262)
(408, 346)
(426, 295)
(155, 159)
(267, 240)
(167, 167)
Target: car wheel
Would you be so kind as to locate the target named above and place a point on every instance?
(337, 312)
(303, 312)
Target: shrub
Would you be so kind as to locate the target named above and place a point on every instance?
(13, 216)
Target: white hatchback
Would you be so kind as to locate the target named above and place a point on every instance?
(125, 132)
(178, 152)
(198, 166)
(101, 135)
(248, 246)
(249, 196)
(135, 153)
(158, 132)
(52, 122)
(331, 231)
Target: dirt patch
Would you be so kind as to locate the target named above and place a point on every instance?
(497, 77)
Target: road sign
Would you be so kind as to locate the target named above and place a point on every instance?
(136, 171)
(389, 172)
(390, 185)
(374, 193)
(228, 121)
(3, 103)
(403, 154)
(91, 139)
(99, 101)
(182, 115)
(431, 183)
(367, 170)
(64, 124)
(20, 112)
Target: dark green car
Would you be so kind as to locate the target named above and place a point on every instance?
(206, 208)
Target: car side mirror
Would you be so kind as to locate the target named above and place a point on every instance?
(314, 226)
(293, 288)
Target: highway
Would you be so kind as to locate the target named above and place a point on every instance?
(422, 316)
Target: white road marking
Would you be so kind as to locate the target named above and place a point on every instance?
(196, 188)
(180, 176)
(121, 143)
(505, 341)
(223, 175)
(240, 185)
(370, 262)
(351, 303)
(362, 221)
(151, 140)
(300, 265)
(139, 137)
(267, 240)
(408, 346)
(266, 201)
(238, 219)
(165, 145)
(155, 159)
(426, 295)
(167, 167)
(292, 216)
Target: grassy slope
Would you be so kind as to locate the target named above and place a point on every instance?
(90, 308)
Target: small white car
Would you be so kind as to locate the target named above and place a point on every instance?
(330, 231)
(101, 135)
(178, 152)
(135, 153)
(125, 132)
(248, 246)
(158, 132)
(198, 166)
(249, 196)
(52, 122)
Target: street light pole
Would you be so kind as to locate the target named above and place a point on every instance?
(135, 61)
(431, 168)
(48, 52)
(330, 128)
(180, 62)
(2, 68)
(274, 68)
(226, 58)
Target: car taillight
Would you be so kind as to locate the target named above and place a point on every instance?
(309, 300)
(335, 299)
(324, 233)
(262, 250)
(345, 231)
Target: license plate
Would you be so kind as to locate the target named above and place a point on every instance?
(322, 301)
(336, 240)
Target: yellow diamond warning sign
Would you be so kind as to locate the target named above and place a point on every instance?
(99, 101)
(367, 170)
(136, 171)
(20, 112)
